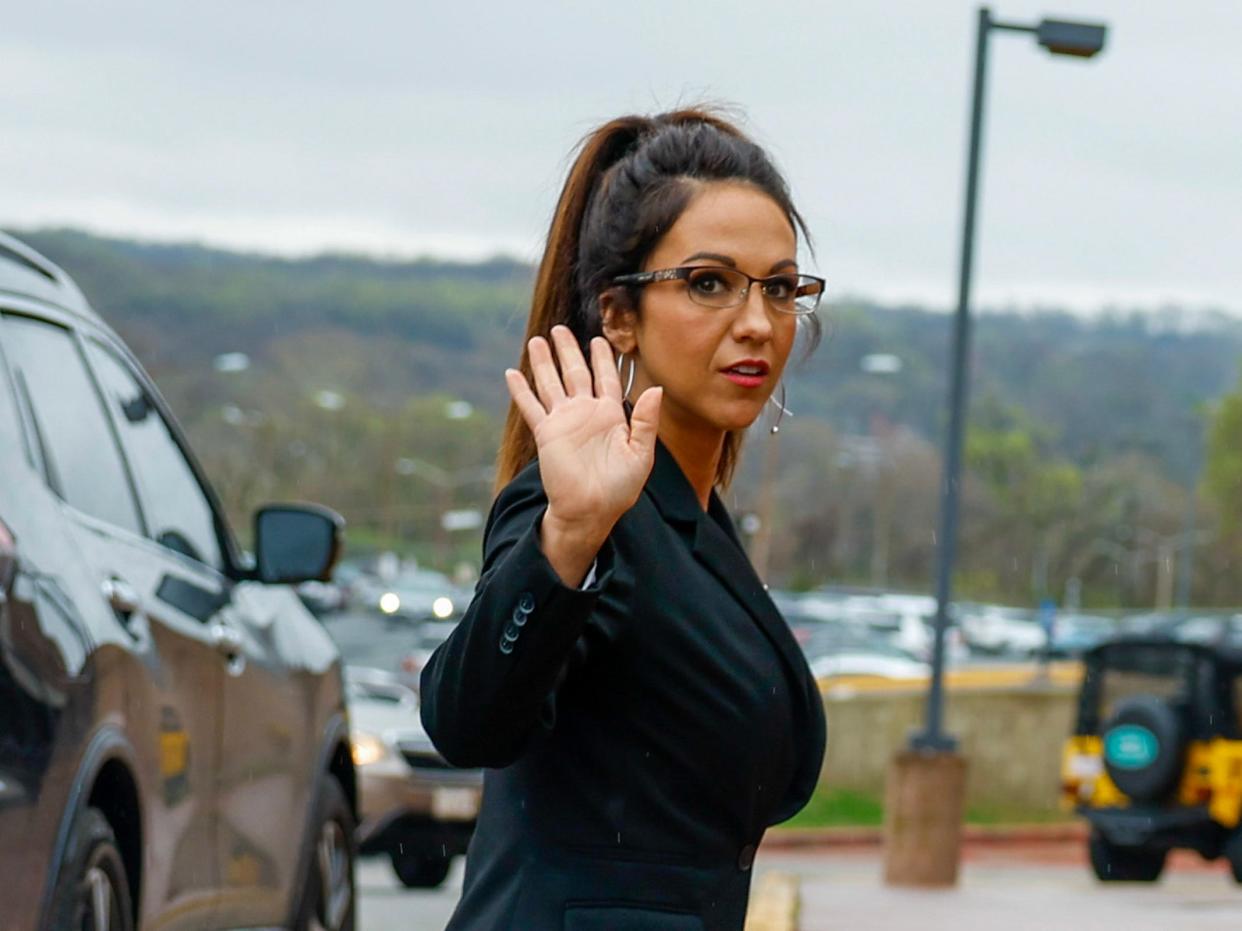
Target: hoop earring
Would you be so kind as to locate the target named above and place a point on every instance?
(629, 383)
(782, 410)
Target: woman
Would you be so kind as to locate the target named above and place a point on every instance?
(642, 707)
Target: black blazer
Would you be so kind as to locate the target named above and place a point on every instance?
(640, 734)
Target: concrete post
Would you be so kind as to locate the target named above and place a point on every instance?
(923, 809)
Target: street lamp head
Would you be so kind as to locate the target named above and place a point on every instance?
(1062, 37)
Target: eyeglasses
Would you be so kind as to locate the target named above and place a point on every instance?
(721, 287)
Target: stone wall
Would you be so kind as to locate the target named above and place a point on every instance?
(1010, 736)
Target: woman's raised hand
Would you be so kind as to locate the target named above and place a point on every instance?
(592, 462)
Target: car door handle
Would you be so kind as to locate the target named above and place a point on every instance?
(227, 640)
(121, 595)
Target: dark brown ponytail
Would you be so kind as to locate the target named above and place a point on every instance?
(555, 298)
(630, 181)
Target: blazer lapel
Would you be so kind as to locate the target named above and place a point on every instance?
(722, 554)
(717, 547)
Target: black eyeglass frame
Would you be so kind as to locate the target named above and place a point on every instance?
(683, 273)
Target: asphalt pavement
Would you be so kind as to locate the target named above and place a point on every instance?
(1038, 886)
(385, 905)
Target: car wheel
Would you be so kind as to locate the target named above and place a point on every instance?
(1233, 853)
(328, 898)
(92, 890)
(1112, 863)
(417, 872)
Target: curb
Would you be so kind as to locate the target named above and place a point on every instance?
(775, 904)
(793, 838)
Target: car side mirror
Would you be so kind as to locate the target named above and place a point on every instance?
(297, 542)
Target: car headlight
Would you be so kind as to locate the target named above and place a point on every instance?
(442, 608)
(367, 748)
(389, 603)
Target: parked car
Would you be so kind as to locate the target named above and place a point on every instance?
(835, 649)
(1211, 629)
(1074, 634)
(1155, 759)
(416, 808)
(174, 748)
(999, 630)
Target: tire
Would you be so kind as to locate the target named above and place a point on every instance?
(328, 898)
(417, 872)
(1152, 777)
(92, 889)
(1112, 863)
(1233, 854)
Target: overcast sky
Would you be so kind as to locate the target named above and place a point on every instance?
(407, 127)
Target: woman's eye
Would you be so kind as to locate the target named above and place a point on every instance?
(780, 289)
(709, 283)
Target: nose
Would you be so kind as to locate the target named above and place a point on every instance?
(753, 321)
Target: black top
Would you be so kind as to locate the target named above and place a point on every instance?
(640, 734)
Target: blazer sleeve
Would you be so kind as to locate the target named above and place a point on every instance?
(491, 684)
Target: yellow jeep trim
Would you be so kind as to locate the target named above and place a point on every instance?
(1212, 765)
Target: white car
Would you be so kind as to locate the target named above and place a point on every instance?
(995, 629)
(866, 663)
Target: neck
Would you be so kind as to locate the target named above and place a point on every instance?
(697, 453)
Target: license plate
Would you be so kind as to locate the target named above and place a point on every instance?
(1085, 766)
(455, 804)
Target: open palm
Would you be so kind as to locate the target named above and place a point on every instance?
(592, 461)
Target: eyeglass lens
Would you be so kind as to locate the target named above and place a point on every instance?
(726, 287)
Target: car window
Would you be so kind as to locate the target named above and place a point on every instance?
(10, 432)
(81, 459)
(1142, 670)
(178, 513)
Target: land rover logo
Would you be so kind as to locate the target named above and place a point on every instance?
(1131, 746)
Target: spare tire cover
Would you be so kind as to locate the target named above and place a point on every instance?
(1144, 747)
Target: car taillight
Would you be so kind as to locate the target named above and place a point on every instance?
(8, 557)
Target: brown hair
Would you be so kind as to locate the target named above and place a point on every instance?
(632, 178)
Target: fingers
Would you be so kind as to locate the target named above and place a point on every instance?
(645, 420)
(607, 384)
(527, 404)
(547, 380)
(574, 372)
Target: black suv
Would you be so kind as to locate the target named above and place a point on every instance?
(174, 750)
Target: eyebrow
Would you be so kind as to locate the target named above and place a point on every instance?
(725, 260)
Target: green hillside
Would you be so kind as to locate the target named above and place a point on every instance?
(1082, 429)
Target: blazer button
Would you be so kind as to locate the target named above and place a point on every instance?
(526, 603)
(746, 857)
(512, 633)
(506, 646)
(518, 618)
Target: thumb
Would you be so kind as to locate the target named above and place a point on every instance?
(645, 420)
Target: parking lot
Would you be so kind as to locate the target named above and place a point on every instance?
(1015, 888)
(385, 904)
(1037, 887)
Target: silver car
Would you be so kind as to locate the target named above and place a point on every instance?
(413, 806)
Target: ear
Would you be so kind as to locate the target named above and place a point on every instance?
(618, 317)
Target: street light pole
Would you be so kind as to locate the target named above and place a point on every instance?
(925, 795)
(933, 737)
(1080, 40)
